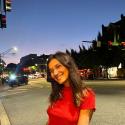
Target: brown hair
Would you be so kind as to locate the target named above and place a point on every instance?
(76, 83)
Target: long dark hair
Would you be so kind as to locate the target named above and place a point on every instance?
(76, 83)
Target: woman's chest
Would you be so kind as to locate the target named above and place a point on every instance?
(65, 109)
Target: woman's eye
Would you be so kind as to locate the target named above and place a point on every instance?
(58, 66)
(55, 68)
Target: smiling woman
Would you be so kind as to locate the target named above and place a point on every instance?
(71, 102)
(59, 72)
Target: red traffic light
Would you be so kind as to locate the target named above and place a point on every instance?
(3, 21)
(110, 43)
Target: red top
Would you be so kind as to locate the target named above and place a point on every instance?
(64, 112)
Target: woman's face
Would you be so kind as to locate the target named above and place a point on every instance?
(59, 72)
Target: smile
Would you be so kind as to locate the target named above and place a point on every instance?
(59, 77)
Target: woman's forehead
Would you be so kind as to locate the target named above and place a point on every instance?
(53, 62)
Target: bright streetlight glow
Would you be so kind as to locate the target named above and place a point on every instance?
(15, 48)
(12, 50)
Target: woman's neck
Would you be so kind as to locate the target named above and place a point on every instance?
(67, 83)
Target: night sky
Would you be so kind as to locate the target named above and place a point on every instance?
(46, 26)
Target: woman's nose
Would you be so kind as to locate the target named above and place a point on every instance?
(55, 72)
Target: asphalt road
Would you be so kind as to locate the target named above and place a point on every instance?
(110, 102)
(26, 105)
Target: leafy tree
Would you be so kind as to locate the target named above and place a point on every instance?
(11, 67)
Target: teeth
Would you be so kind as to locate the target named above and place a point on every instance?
(58, 77)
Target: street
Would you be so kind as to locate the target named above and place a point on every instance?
(110, 102)
(26, 105)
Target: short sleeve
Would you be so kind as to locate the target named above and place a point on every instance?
(88, 101)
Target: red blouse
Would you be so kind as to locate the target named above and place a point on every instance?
(64, 112)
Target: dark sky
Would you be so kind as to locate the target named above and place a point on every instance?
(46, 26)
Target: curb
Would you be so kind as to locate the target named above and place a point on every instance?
(4, 120)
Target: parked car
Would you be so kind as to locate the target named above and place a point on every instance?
(86, 73)
(14, 79)
(23, 79)
(90, 74)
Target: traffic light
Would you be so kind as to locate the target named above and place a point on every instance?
(110, 43)
(7, 5)
(2, 21)
(123, 45)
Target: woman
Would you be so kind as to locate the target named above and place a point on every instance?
(71, 102)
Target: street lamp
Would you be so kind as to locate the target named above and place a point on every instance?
(87, 41)
(12, 50)
(94, 44)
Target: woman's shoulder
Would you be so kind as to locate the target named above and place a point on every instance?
(88, 92)
(91, 91)
(88, 101)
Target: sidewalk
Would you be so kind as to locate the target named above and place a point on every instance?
(4, 120)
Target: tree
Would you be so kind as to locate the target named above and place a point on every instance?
(11, 67)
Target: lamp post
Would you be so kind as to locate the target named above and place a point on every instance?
(12, 50)
(87, 41)
(94, 44)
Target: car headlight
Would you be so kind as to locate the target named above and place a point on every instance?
(12, 77)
